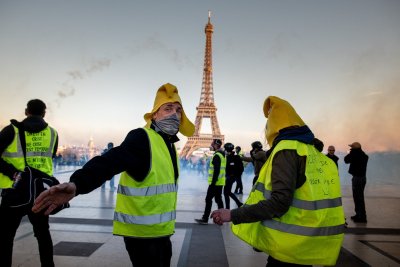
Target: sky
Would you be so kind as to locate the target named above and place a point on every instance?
(98, 64)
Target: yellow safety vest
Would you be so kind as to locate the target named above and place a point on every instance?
(312, 230)
(221, 176)
(147, 209)
(39, 153)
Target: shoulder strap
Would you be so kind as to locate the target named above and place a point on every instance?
(21, 133)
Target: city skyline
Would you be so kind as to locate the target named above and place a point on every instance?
(98, 64)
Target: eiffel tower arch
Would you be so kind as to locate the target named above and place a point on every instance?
(206, 108)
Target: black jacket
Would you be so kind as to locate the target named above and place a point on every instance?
(132, 156)
(334, 158)
(234, 165)
(358, 162)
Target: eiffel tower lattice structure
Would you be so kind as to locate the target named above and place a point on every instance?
(206, 108)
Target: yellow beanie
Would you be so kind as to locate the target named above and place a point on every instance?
(280, 115)
(168, 93)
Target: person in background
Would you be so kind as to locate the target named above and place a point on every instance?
(358, 161)
(239, 182)
(41, 142)
(257, 157)
(145, 210)
(216, 180)
(294, 212)
(201, 163)
(238, 151)
(103, 186)
(331, 155)
(234, 168)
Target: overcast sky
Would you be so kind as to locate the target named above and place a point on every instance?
(97, 64)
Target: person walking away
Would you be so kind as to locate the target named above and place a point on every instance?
(41, 142)
(145, 210)
(216, 180)
(234, 168)
(239, 182)
(257, 157)
(332, 156)
(294, 212)
(358, 161)
(103, 186)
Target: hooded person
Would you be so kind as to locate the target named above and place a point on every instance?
(294, 212)
(147, 159)
(25, 147)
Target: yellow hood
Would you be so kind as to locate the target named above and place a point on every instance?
(168, 93)
(280, 115)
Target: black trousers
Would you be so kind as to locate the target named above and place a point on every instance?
(144, 252)
(213, 191)
(10, 219)
(358, 186)
(239, 185)
(272, 262)
(228, 192)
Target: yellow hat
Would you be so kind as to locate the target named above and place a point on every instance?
(168, 93)
(280, 115)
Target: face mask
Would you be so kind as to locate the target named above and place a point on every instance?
(169, 125)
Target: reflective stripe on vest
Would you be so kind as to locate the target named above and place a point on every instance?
(14, 156)
(145, 220)
(304, 230)
(148, 209)
(304, 204)
(221, 176)
(148, 191)
(311, 231)
(16, 146)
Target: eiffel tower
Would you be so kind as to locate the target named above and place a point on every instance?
(206, 108)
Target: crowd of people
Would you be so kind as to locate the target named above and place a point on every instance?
(290, 200)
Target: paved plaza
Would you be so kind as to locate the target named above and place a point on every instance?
(82, 234)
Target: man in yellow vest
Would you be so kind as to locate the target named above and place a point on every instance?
(294, 212)
(216, 180)
(145, 211)
(41, 142)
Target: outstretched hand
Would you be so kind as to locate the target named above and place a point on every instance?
(220, 216)
(53, 197)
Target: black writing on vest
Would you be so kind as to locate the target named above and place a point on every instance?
(35, 142)
(36, 162)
